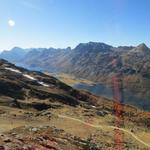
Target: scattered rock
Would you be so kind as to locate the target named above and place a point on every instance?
(2, 147)
(7, 140)
(101, 113)
(34, 129)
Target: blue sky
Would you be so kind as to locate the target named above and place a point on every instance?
(62, 23)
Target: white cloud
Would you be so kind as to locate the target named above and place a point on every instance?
(11, 23)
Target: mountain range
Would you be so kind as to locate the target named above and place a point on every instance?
(94, 61)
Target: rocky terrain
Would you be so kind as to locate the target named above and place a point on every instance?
(39, 112)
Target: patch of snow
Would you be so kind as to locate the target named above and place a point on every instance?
(13, 70)
(32, 78)
(44, 84)
(93, 106)
(29, 77)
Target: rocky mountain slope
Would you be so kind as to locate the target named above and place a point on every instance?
(19, 85)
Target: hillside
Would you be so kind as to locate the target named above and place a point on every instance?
(19, 85)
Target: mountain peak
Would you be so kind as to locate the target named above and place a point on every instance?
(95, 46)
(16, 47)
(142, 48)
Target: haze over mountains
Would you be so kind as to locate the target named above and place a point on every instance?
(94, 61)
